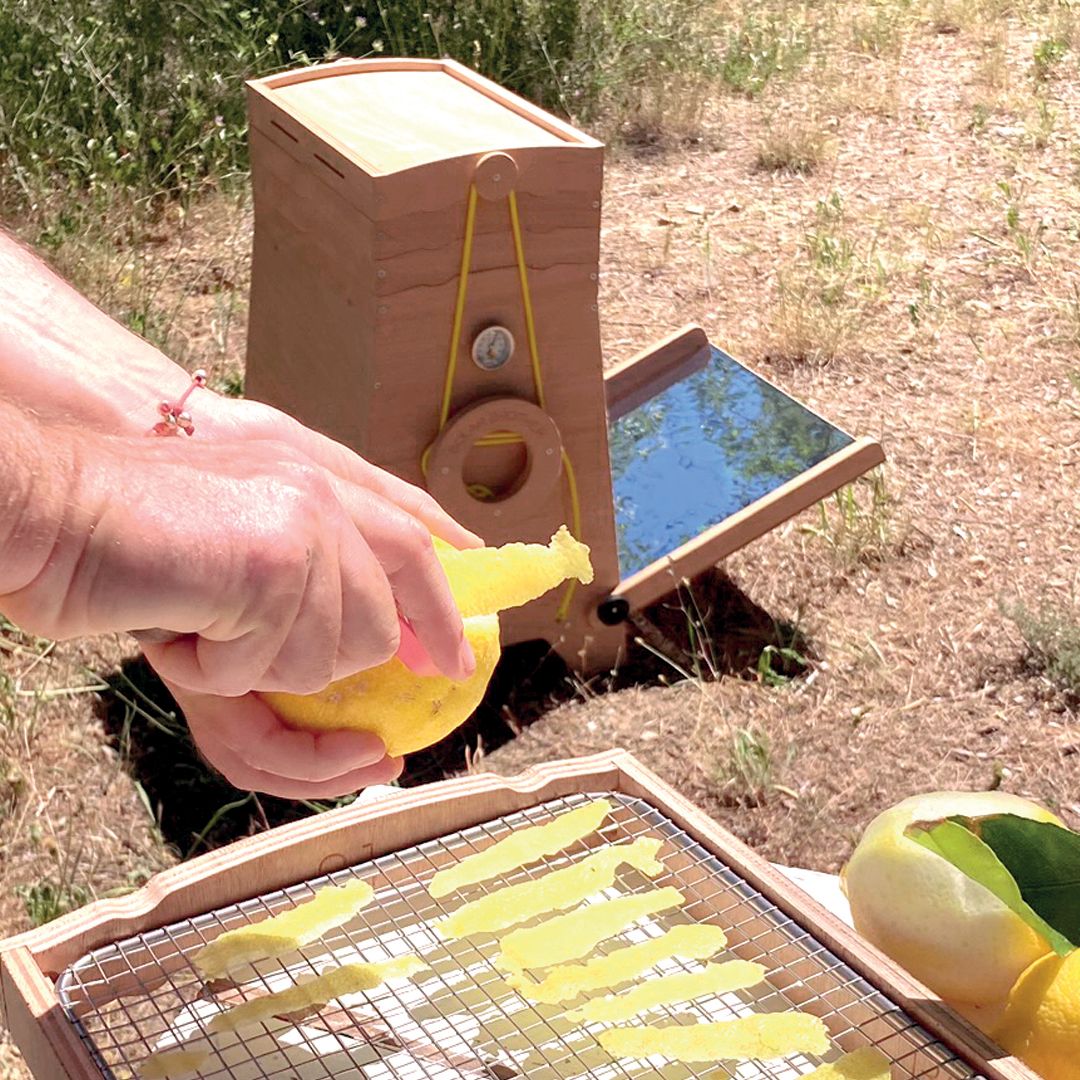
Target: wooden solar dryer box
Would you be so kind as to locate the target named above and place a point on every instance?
(424, 290)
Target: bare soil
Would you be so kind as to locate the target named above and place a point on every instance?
(949, 254)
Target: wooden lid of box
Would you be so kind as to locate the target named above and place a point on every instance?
(393, 115)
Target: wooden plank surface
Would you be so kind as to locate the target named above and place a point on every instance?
(397, 119)
(653, 370)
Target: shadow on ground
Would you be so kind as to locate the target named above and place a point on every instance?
(711, 629)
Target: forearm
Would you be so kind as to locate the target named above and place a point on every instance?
(39, 513)
(66, 361)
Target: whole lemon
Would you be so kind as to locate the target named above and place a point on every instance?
(406, 711)
(949, 931)
(1041, 1024)
(409, 711)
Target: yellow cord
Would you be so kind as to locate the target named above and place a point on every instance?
(563, 610)
(526, 301)
(538, 381)
(504, 438)
(459, 316)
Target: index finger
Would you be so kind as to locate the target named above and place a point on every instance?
(407, 556)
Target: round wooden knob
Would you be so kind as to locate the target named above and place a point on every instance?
(542, 443)
(495, 176)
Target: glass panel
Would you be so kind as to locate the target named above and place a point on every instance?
(701, 451)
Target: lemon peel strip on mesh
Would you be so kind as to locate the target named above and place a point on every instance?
(330, 907)
(869, 1063)
(313, 994)
(303, 997)
(576, 934)
(673, 989)
(486, 580)
(521, 848)
(764, 1036)
(555, 891)
(172, 1064)
(689, 941)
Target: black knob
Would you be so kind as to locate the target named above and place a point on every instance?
(612, 611)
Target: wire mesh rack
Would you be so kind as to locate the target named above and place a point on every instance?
(459, 1018)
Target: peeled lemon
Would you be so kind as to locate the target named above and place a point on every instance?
(409, 711)
(1041, 1023)
(949, 931)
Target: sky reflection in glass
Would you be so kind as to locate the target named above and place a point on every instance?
(702, 450)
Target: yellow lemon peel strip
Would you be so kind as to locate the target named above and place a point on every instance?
(869, 1063)
(313, 994)
(331, 906)
(691, 941)
(303, 997)
(484, 580)
(576, 934)
(765, 1036)
(670, 990)
(556, 891)
(521, 848)
(171, 1064)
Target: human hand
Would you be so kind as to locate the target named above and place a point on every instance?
(245, 741)
(221, 417)
(163, 533)
(276, 575)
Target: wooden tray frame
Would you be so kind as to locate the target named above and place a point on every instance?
(31, 962)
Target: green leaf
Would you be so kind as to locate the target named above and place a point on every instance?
(953, 841)
(1044, 861)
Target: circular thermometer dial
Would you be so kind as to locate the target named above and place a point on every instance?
(492, 348)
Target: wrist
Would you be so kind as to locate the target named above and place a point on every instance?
(40, 469)
(68, 362)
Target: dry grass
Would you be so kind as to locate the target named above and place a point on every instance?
(917, 284)
(943, 297)
(794, 143)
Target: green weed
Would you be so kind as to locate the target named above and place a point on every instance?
(1025, 234)
(47, 900)
(779, 664)
(103, 97)
(1046, 56)
(980, 116)
(1041, 127)
(749, 769)
(52, 897)
(825, 297)
(1051, 632)
(764, 46)
(857, 522)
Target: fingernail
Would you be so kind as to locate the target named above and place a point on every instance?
(466, 658)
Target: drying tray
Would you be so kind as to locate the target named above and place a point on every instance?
(94, 994)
